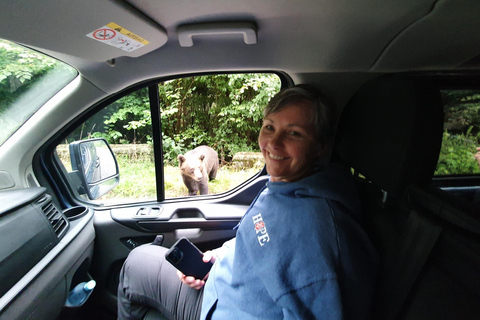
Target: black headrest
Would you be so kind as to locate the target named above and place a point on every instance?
(391, 132)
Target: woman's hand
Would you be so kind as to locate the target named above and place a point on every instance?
(197, 284)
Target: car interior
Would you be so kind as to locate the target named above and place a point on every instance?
(387, 66)
(421, 231)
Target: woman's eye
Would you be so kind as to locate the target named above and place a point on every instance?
(294, 133)
(268, 127)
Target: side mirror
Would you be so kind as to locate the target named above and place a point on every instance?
(95, 165)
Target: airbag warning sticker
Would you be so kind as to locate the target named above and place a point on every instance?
(118, 37)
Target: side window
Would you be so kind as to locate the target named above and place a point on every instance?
(209, 126)
(461, 133)
(222, 112)
(126, 125)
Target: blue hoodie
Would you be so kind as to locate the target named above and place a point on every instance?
(300, 253)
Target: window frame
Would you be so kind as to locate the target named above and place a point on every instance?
(53, 173)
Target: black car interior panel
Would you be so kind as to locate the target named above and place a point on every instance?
(420, 231)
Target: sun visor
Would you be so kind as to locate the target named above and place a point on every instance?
(88, 29)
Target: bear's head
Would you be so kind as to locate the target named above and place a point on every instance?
(192, 167)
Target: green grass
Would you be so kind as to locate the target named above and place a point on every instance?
(137, 180)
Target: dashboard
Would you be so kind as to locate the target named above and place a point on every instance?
(45, 252)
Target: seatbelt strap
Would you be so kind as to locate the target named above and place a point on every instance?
(403, 267)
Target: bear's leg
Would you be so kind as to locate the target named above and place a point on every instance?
(213, 174)
(191, 185)
(193, 188)
(203, 186)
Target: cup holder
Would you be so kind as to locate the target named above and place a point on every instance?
(74, 213)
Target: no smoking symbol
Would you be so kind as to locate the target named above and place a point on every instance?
(104, 34)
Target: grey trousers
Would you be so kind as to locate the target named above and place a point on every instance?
(147, 281)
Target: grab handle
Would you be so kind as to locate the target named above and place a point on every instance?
(186, 32)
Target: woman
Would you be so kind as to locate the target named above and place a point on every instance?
(299, 252)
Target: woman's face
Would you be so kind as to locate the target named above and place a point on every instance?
(288, 144)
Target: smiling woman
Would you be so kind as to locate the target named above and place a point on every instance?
(288, 143)
(257, 274)
(27, 80)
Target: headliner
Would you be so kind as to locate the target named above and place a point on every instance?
(303, 36)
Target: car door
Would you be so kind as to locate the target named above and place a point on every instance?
(148, 128)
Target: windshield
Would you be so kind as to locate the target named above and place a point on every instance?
(28, 79)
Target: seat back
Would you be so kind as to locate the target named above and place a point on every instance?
(390, 133)
(447, 286)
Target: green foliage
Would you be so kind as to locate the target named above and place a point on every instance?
(171, 149)
(19, 69)
(222, 111)
(27, 80)
(130, 121)
(462, 132)
(457, 154)
(18, 64)
(462, 111)
(126, 121)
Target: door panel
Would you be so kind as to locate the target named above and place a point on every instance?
(208, 223)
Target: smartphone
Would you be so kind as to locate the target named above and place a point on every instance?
(187, 258)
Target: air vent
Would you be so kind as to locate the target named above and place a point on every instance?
(57, 220)
(43, 199)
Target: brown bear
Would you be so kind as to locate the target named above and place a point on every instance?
(197, 167)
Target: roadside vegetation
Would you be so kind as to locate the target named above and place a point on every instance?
(461, 132)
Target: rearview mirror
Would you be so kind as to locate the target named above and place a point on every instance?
(94, 163)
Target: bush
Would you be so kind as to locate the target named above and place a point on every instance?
(457, 154)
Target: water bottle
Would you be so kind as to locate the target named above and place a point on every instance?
(80, 294)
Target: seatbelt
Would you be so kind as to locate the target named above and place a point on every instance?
(403, 267)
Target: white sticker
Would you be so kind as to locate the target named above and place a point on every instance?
(118, 37)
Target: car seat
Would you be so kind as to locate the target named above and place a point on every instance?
(390, 134)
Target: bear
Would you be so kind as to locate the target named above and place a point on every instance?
(197, 167)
